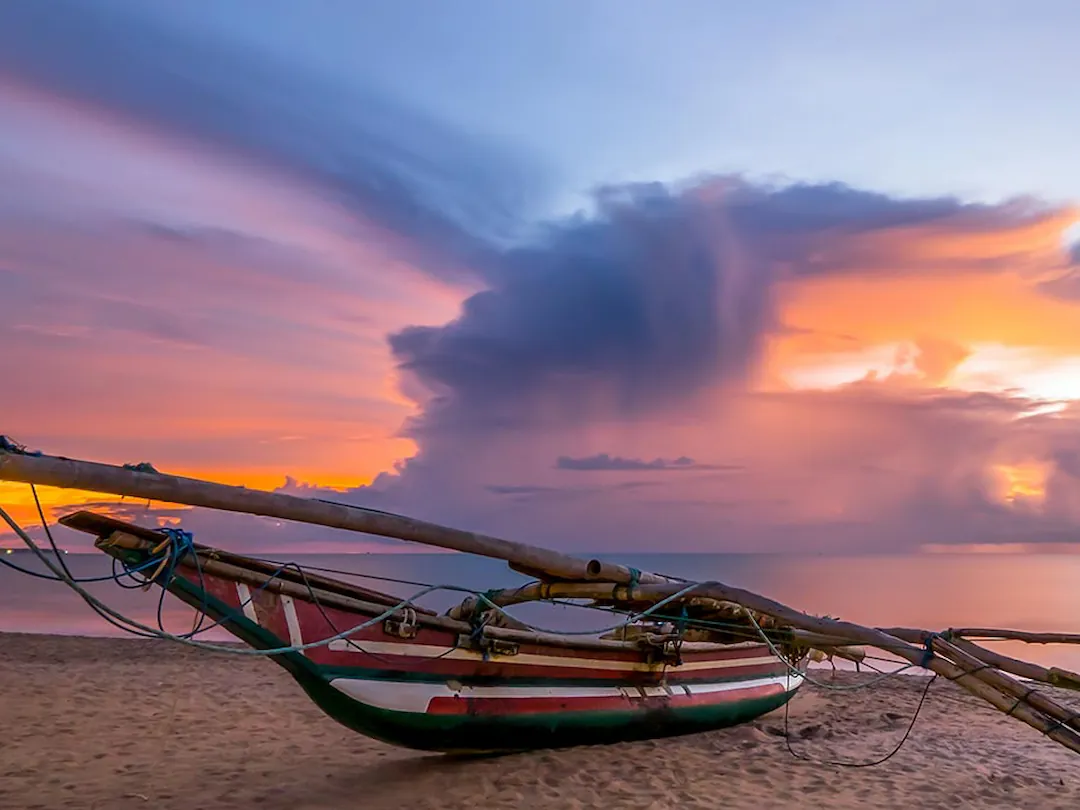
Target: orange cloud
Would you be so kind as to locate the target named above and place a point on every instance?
(957, 285)
(241, 344)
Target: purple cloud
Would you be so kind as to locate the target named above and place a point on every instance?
(664, 293)
(602, 462)
(445, 191)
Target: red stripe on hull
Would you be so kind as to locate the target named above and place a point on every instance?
(509, 669)
(542, 705)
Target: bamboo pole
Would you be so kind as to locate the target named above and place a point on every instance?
(830, 646)
(1023, 694)
(871, 637)
(1018, 635)
(94, 477)
(1053, 676)
(609, 592)
(597, 592)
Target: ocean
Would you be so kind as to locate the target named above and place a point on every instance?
(1038, 592)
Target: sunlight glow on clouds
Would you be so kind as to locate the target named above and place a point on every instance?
(1030, 372)
(1023, 484)
(236, 307)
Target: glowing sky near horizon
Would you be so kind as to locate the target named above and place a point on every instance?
(512, 298)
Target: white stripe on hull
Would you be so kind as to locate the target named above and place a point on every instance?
(432, 651)
(413, 696)
(244, 593)
(296, 639)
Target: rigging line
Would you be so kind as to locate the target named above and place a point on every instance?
(117, 577)
(871, 763)
(50, 578)
(352, 643)
(94, 601)
(821, 684)
(100, 607)
(341, 572)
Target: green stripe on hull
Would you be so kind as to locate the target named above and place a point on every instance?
(464, 734)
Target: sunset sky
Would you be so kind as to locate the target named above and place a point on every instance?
(599, 276)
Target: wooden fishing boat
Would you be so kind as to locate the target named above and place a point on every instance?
(474, 680)
(437, 683)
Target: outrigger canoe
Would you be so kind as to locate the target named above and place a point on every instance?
(439, 683)
(476, 680)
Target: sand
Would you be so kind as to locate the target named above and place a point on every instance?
(112, 724)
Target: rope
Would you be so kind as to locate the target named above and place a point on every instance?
(9, 445)
(871, 763)
(850, 688)
(5, 443)
(187, 640)
(792, 669)
(928, 650)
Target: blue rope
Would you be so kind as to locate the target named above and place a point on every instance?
(113, 577)
(928, 650)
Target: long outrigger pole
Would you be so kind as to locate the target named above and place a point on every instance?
(134, 482)
(937, 652)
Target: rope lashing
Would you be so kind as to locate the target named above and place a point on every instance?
(9, 445)
(928, 650)
(1023, 699)
(142, 466)
(176, 544)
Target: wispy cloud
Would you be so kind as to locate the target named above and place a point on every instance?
(445, 192)
(602, 462)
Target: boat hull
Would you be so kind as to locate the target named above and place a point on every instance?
(516, 729)
(429, 693)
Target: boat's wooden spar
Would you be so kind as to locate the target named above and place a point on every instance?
(107, 478)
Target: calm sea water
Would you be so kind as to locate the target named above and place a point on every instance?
(1023, 592)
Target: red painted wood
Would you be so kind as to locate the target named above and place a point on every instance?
(321, 622)
(535, 705)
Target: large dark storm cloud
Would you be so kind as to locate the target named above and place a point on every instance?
(662, 292)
